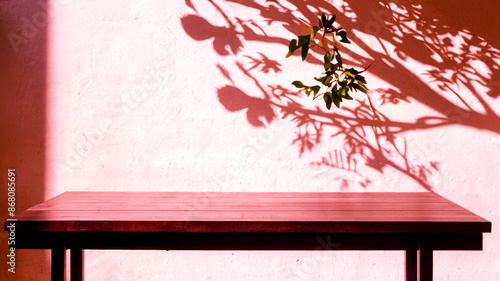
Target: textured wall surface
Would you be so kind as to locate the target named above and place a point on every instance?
(184, 95)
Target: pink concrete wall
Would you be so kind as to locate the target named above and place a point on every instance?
(196, 96)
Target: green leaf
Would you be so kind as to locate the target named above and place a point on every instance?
(359, 87)
(305, 50)
(343, 35)
(339, 81)
(332, 20)
(348, 73)
(328, 61)
(325, 80)
(298, 84)
(339, 59)
(346, 96)
(353, 71)
(363, 85)
(327, 97)
(328, 81)
(308, 90)
(315, 89)
(327, 66)
(335, 91)
(309, 29)
(304, 40)
(336, 100)
(324, 21)
(321, 79)
(327, 23)
(315, 29)
(343, 91)
(304, 43)
(327, 57)
(292, 47)
(360, 79)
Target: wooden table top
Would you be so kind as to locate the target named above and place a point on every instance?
(363, 212)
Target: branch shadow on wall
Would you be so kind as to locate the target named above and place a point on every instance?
(460, 83)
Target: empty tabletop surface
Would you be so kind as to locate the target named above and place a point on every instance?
(356, 212)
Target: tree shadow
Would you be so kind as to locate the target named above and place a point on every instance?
(458, 79)
(234, 99)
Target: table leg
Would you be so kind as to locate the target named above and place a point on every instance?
(424, 266)
(418, 265)
(411, 265)
(77, 266)
(58, 256)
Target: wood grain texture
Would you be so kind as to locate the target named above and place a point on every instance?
(250, 212)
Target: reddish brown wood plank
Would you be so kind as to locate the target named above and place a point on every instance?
(198, 201)
(100, 194)
(204, 197)
(125, 209)
(198, 197)
(247, 206)
(254, 215)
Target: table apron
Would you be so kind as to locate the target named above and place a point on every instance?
(247, 241)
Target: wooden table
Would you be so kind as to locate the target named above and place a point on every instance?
(415, 222)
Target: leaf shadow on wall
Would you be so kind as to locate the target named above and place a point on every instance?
(235, 99)
(460, 81)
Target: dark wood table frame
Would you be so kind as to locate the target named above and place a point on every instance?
(417, 223)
